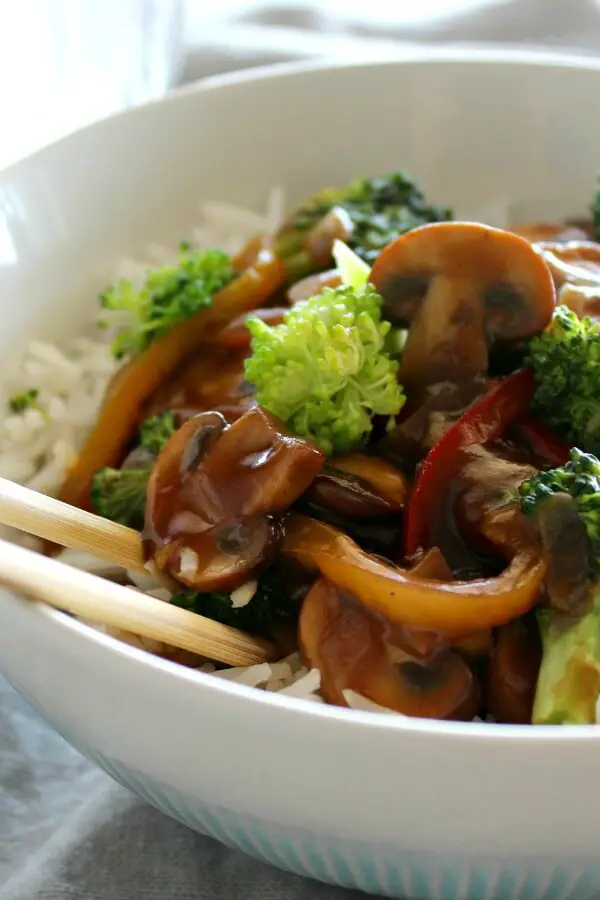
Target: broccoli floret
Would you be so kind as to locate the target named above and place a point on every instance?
(26, 400)
(569, 680)
(371, 211)
(270, 604)
(325, 370)
(120, 495)
(580, 478)
(169, 295)
(566, 364)
(156, 431)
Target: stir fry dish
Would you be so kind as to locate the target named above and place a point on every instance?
(373, 436)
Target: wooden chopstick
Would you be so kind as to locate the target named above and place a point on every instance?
(99, 600)
(51, 519)
(103, 602)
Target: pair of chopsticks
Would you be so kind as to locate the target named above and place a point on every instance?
(96, 599)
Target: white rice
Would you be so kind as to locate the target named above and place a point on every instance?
(37, 447)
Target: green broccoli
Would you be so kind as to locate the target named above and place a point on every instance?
(26, 400)
(580, 478)
(566, 364)
(156, 431)
(368, 214)
(569, 679)
(169, 295)
(325, 370)
(120, 494)
(270, 604)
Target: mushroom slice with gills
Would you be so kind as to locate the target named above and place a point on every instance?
(217, 494)
(512, 672)
(566, 548)
(360, 486)
(356, 650)
(461, 287)
(486, 505)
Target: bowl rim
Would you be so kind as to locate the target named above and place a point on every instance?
(289, 705)
(406, 54)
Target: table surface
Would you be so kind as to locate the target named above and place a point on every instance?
(66, 830)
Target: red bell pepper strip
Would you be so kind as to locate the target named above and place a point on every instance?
(543, 442)
(484, 421)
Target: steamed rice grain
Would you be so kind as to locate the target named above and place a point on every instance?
(39, 445)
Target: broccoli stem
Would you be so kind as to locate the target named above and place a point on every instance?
(569, 680)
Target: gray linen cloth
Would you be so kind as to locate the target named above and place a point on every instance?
(66, 830)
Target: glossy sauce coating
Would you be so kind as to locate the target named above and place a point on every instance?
(217, 494)
(359, 651)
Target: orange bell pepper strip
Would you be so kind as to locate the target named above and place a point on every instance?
(406, 599)
(137, 379)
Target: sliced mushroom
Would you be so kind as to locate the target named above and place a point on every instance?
(389, 482)
(355, 650)
(361, 486)
(313, 285)
(567, 552)
(216, 496)
(236, 334)
(512, 672)
(336, 225)
(462, 287)
(485, 506)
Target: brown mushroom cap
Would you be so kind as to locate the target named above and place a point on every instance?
(462, 287)
(216, 495)
(361, 486)
(355, 650)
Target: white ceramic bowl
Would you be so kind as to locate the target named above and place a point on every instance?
(396, 807)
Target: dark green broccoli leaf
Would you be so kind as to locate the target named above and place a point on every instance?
(120, 495)
(169, 295)
(366, 214)
(156, 431)
(270, 604)
(566, 364)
